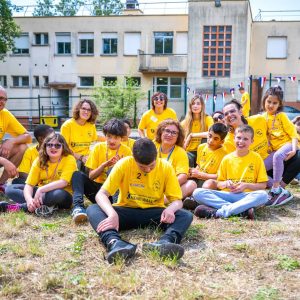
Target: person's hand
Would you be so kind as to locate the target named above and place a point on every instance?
(238, 187)
(111, 222)
(290, 155)
(38, 197)
(31, 205)
(6, 148)
(84, 158)
(187, 141)
(113, 160)
(10, 168)
(167, 216)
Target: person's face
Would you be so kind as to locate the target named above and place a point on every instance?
(232, 115)
(272, 104)
(214, 141)
(3, 99)
(127, 129)
(218, 118)
(113, 141)
(159, 101)
(54, 149)
(169, 135)
(298, 127)
(146, 168)
(196, 107)
(243, 140)
(85, 111)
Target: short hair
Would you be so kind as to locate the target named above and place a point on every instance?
(159, 94)
(42, 130)
(115, 126)
(219, 129)
(274, 91)
(246, 129)
(144, 151)
(217, 112)
(94, 110)
(126, 121)
(241, 88)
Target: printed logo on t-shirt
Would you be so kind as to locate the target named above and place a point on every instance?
(156, 186)
(154, 119)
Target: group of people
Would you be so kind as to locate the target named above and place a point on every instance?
(215, 166)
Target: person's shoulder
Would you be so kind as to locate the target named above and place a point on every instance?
(179, 150)
(7, 113)
(202, 147)
(170, 111)
(220, 150)
(148, 112)
(125, 149)
(69, 158)
(254, 118)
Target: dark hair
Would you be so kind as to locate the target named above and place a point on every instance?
(245, 128)
(94, 110)
(159, 94)
(115, 126)
(161, 127)
(144, 151)
(241, 88)
(126, 121)
(41, 131)
(217, 112)
(238, 106)
(274, 91)
(219, 129)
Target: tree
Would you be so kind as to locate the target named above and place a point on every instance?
(106, 7)
(8, 28)
(44, 8)
(68, 7)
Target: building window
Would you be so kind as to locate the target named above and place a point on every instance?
(133, 81)
(173, 87)
(22, 44)
(86, 81)
(132, 43)
(216, 55)
(41, 39)
(163, 42)
(3, 80)
(277, 47)
(63, 43)
(46, 80)
(110, 80)
(86, 43)
(20, 81)
(36, 81)
(109, 43)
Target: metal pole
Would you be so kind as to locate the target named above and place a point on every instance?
(149, 101)
(185, 98)
(270, 80)
(250, 92)
(39, 107)
(214, 94)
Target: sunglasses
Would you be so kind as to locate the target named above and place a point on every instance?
(171, 132)
(232, 111)
(4, 99)
(85, 109)
(219, 117)
(56, 146)
(162, 98)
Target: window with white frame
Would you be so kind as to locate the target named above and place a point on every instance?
(173, 87)
(20, 81)
(110, 80)
(181, 42)
(277, 47)
(21, 44)
(3, 81)
(109, 43)
(41, 39)
(132, 43)
(86, 43)
(86, 81)
(163, 42)
(63, 43)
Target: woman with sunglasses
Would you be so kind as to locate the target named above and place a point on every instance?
(151, 118)
(80, 131)
(169, 141)
(48, 183)
(218, 117)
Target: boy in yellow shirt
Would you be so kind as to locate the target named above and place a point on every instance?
(245, 101)
(143, 181)
(100, 162)
(242, 179)
(126, 140)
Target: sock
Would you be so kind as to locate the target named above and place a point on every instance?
(276, 190)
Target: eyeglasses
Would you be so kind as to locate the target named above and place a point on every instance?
(85, 109)
(219, 117)
(170, 132)
(232, 111)
(157, 98)
(4, 99)
(56, 146)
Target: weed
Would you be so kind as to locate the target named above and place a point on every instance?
(235, 231)
(18, 219)
(288, 263)
(11, 289)
(4, 247)
(50, 226)
(67, 264)
(78, 244)
(193, 231)
(19, 250)
(52, 282)
(24, 268)
(34, 247)
(241, 247)
(266, 293)
(229, 268)
(79, 279)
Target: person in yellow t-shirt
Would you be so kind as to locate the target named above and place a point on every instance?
(100, 162)
(48, 183)
(143, 181)
(245, 101)
(80, 131)
(195, 125)
(242, 179)
(13, 148)
(296, 122)
(126, 140)
(151, 118)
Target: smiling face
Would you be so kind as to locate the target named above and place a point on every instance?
(159, 101)
(3, 99)
(54, 150)
(242, 140)
(272, 104)
(85, 111)
(169, 135)
(196, 106)
(232, 115)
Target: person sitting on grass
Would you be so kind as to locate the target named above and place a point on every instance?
(242, 179)
(48, 183)
(100, 162)
(143, 181)
(126, 140)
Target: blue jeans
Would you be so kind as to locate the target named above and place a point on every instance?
(227, 203)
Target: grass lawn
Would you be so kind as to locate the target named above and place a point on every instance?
(51, 258)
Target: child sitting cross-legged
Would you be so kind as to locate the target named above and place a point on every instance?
(242, 179)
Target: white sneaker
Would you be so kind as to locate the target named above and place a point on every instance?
(45, 211)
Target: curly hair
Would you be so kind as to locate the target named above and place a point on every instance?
(44, 157)
(168, 122)
(275, 91)
(94, 110)
(159, 94)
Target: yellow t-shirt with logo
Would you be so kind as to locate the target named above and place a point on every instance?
(150, 121)
(208, 160)
(196, 128)
(55, 171)
(142, 190)
(249, 168)
(79, 137)
(29, 156)
(280, 130)
(177, 158)
(245, 102)
(100, 154)
(9, 124)
(129, 143)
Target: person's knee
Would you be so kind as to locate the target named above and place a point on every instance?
(210, 184)
(198, 192)
(77, 176)
(18, 150)
(92, 209)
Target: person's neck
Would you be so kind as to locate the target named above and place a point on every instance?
(241, 153)
(54, 159)
(196, 116)
(158, 110)
(125, 138)
(165, 148)
(80, 121)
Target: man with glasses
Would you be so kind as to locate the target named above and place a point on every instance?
(12, 149)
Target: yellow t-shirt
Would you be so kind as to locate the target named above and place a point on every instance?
(56, 171)
(249, 168)
(177, 158)
(29, 156)
(196, 128)
(79, 137)
(142, 190)
(209, 160)
(129, 143)
(9, 124)
(101, 154)
(280, 130)
(150, 120)
(245, 102)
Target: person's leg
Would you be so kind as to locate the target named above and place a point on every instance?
(58, 198)
(291, 169)
(15, 192)
(192, 155)
(18, 180)
(210, 184)
(188, 188)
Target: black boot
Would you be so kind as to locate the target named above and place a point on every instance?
(119, 248)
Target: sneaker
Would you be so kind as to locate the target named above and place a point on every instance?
(272, 197)
(45, 211)
(165, 249)
(120, 249)
(79, 215)
(248, 214)
(204, 211)
(189, 203)
(283, 198)
(7, 207)
(295, 181)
